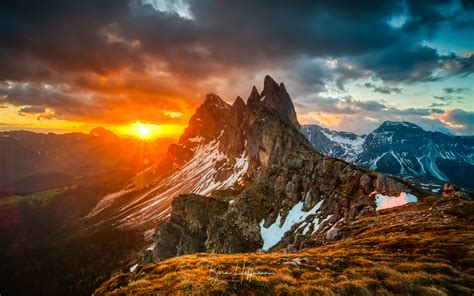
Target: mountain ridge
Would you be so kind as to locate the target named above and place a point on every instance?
(402, 148)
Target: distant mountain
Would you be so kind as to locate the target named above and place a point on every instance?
(401, 148)
(34, 161)
(48, 182)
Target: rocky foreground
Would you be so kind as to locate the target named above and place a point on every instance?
(423, 248)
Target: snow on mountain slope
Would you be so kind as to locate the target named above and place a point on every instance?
(342, 145)
(401, 148)
(199, 175)
(200, 163)
(272, 235)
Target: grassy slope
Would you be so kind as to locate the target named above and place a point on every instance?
(425, 248)
(44, 249)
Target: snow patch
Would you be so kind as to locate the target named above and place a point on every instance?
(386, 202)
(273, 234)
(196, 139)
(318, 224)
(133, 268)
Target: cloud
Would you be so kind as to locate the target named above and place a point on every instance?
(115, 61)
(350, 114)
(383, 89)
(459, 120)
(33, 109)
(455, 90)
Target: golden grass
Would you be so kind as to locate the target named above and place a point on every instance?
(40, 198)
(420, 249)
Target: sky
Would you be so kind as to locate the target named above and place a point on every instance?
(348, 65)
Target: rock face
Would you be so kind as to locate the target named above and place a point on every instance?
(289, 190)
(401, 148)
(186, 230)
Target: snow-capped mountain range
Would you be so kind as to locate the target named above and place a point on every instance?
(401, 148)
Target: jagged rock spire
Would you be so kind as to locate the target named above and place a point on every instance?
(269, 85)
(208, 120)
(254, 96)
(275, 98)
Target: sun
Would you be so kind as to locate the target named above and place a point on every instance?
(143, 132)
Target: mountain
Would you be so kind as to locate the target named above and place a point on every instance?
(33, 161)
(225, 151)
(401, 148)
(48, 183)
(240, 177)
(342, 145)
(244, 179)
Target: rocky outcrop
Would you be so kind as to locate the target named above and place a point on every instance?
(186, 231)
(453, 191)
(291, 189)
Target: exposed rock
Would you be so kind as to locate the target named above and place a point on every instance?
(233, 138)
(452, 191)
(335, 232)
(208, 120)
(390, 186)
(366, 184)
(186, 231)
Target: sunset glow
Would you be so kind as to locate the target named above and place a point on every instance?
(143, 131)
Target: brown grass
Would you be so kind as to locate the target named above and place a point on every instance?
(419, 249)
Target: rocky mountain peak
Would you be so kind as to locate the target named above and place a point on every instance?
(269, 85)
(254, 96)
(232, 142)
(398, 125)
(276, 99)
(404, 149)
(213, 100)
(208, 121)
(239, 103)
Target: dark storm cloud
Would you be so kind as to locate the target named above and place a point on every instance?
(403, 63)
(72, 36)
(40, 37)
(36, 94)
(73, 45)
